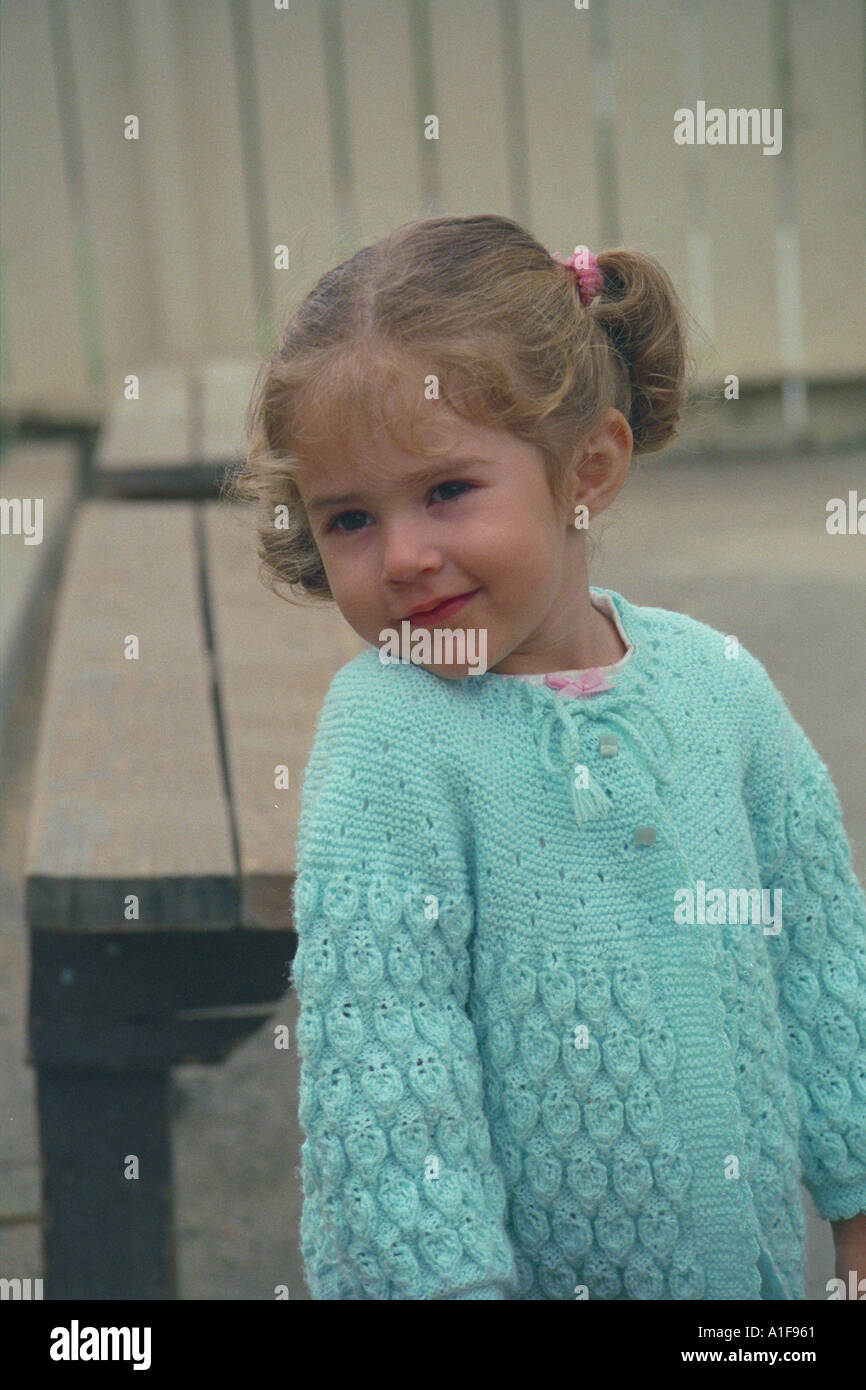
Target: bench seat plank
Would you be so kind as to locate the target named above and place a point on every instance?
(150, 447)
(155, 429)
(225, 386)
(48, 472)
(128, 792)
(275, 661)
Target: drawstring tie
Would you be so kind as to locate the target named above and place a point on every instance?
(571, 716)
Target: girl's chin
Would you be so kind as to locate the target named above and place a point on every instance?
(452, 673)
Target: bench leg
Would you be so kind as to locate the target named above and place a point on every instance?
(106, 1235)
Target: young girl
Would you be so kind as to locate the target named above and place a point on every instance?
(581, 958)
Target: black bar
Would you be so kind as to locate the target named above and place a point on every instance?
(110, 1013)
(125, 975)
(106, 1235)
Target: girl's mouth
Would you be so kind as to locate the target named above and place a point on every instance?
(442, 611)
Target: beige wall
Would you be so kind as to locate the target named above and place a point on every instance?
(261, 126)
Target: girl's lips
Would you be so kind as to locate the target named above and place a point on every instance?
(445, 610)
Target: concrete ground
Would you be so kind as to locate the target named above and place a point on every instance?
(742, 546)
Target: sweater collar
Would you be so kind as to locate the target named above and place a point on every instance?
(632, 673)
(589, 680)
(627, 708)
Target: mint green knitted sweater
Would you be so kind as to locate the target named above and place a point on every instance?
(523, 1076)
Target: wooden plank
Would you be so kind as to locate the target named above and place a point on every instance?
(149, 447)
(225, 386)
(128, 794)
(48, 475)
(275, 661)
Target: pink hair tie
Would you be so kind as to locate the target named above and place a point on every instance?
(585, 266)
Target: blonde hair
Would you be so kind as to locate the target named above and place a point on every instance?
(481, 305)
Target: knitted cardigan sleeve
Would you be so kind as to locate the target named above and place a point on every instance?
(401, 1196)
(819, 956)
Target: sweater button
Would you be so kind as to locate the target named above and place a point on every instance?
(645, 835)
(609, 745)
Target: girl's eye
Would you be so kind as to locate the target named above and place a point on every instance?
(334, 525)
(455, 483)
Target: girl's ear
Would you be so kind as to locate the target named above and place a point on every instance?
(603, 462)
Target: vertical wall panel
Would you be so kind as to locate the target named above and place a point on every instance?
(650, 166)
(383, 129)
(217, 191)
(304, 126)
(829, 158)
(42, 326)
(741, 189)
(470, 104)
(563, 177)
(165, 150)
(301, 202)
(126, 289)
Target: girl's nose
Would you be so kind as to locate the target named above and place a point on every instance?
(407, 551)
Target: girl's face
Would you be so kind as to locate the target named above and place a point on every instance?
(398, 531)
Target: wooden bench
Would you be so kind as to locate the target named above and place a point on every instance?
(49, 474)
(177, 437)
(160, 857)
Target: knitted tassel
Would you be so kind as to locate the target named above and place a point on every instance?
(590, 802)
